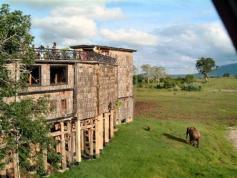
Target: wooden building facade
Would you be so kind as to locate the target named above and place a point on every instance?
(91, 91)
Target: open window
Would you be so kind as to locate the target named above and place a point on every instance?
(34, 75)
(63, 105)
(58, 75)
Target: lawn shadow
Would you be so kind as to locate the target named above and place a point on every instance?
(172, 137)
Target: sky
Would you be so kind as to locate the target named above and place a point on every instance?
(167, 33)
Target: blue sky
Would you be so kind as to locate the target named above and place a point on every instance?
(168, 33)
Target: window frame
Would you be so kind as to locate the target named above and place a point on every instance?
(66, 74)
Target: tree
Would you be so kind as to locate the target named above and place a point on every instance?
(158, 73)
(204, 66)
(189, 79)
(22, 121)
(146, 68)
(134, 70)
(226, 75)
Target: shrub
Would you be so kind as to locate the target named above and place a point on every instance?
(191, 87)
(168, 83)
(189, 79)
(54, 158)
(226, 75)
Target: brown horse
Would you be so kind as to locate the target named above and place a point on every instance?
(194, 136)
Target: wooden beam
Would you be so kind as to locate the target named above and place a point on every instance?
(70, 153)
(91, 142)
(3, 171)
(106, 127)
(63, 151)
(15, 165)
(78, 141)
(45, 162)
(111, 123)
(73, 144)
(97, 136)
(101, 131)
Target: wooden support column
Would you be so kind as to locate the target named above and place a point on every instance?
(101, 131)
(58, 147)
(111, 123)
(15, 165)
(70, 153)
(3, 171)
(82, 141)
(90, 130)
(73, 145)
(78, 141)
(63, 151)
(106, 123)
(97, 136)
(45, 162)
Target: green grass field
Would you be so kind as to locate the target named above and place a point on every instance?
(162, 152)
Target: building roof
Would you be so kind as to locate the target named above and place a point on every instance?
(102, 47)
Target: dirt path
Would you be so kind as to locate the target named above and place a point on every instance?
(233, 136)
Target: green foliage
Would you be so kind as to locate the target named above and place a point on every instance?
(191, 87)
(22, 121)
(205, 65)
(54, 158)
(189, 79)
(118, 104)
(226, 75)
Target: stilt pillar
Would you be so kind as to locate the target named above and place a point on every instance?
(15, 165)
(101, 132)
(111, 120)
(63, 151)
(45, 162)
(3, 171)
(70, 153)
(106, 127)
(91, 152)
(97, 136)
(78, 141)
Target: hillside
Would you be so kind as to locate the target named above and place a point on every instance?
(230, 68)
(219, 72)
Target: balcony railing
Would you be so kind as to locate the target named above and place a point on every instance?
(65, 54)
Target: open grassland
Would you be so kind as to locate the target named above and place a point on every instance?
(162, 152)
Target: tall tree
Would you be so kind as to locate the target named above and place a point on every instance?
(22, 121)
(158, 73)
(204, 66)
(147, 69)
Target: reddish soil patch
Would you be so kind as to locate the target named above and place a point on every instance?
(144, 107)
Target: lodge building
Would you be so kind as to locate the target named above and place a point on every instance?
(91, 91)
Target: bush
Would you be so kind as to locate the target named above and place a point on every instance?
(226, 75)
(191, 87)
(189, 79)
(54, 158)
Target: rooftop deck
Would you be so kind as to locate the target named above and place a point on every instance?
(51, 54)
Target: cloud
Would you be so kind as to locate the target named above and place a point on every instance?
(75, 24)
(129, 36)
(181, 45)
(55, 3)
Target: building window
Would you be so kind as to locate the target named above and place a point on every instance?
(58, 74)
(34, 75)
(63, 105)
(53, 105)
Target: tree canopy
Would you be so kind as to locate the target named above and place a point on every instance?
(205, 65)
(22, 121)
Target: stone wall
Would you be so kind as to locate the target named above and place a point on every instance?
(96, 88)
(125, 85)
(86, 90)
(107, 87)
